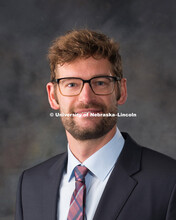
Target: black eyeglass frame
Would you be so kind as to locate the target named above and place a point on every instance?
(115, 78)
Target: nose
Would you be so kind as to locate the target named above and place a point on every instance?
(86, 95)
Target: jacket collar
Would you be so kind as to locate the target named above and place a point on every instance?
(51, 187)
(121, 182)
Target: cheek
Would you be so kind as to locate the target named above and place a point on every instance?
(65, 103)
(117, 93)
(112, 100)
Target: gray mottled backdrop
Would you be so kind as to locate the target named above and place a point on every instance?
(146, 31)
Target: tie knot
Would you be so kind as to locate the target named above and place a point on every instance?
(80, 173)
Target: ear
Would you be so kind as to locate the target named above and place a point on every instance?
(123, 92)
(51, 96)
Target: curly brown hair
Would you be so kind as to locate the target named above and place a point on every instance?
(84, 44)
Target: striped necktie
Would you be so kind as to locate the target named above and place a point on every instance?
(77, 203)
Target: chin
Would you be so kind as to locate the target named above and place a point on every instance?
(87, 122)
(88, 128)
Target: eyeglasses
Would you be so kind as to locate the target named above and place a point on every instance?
(100, 85)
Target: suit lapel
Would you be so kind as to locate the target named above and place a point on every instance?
(120, 184)
(51, 189)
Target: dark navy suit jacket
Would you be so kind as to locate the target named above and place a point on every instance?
(142, 186)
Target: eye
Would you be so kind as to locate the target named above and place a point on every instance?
(71, 85)
(100, 83)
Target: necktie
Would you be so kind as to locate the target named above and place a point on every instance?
(77, 203)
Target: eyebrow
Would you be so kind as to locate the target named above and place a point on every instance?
(95, 75)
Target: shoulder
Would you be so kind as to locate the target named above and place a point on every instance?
(46, 167)
(158, 174)
(158, 165)
(157, 158)
(151, 162)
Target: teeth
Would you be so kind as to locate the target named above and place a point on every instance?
(86, 112)
(83, 112)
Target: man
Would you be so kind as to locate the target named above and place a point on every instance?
(105, 175)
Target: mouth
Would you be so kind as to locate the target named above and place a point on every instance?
(87, 112)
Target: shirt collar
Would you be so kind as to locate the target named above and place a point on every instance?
(102, 161)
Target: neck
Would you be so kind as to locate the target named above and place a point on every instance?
(84, 149)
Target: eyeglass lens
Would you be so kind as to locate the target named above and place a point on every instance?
(99, 85)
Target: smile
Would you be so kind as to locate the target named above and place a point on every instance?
(87, 111)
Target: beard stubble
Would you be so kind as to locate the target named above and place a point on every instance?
(102, 127)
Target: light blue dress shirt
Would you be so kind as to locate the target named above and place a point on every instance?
(100, 166)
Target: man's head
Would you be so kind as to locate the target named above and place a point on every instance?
(93, 59)
(84, 44)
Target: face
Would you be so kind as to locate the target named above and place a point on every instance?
(86, 103)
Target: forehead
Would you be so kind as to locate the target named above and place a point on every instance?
(84, 68)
